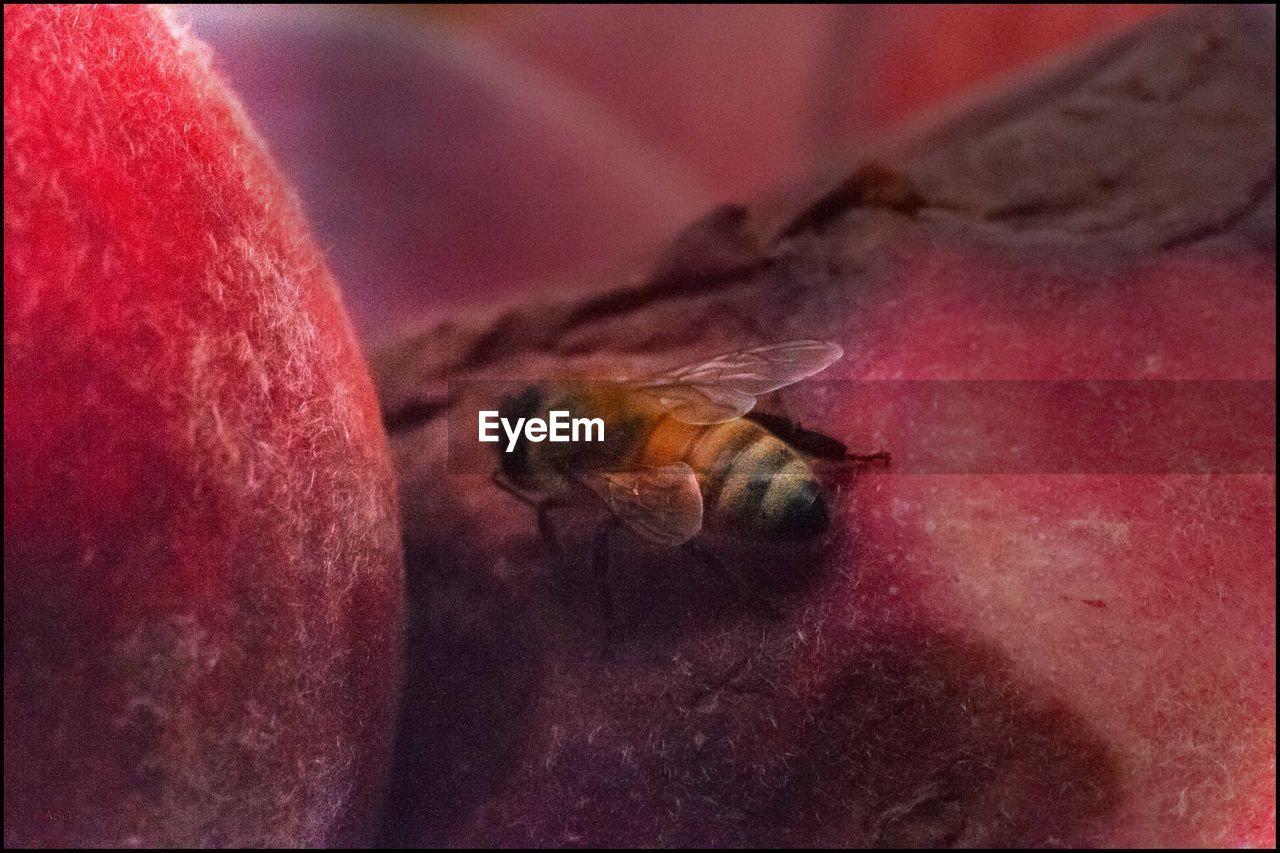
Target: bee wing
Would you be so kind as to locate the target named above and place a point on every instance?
(757, 370)
(725, 387)
(700, 404)
(663, 504)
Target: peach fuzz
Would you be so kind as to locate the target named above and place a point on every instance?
(203, 571)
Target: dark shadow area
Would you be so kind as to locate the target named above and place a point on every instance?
(478, 642)
(934, 742)
(921, 741)
(471, 672)
(662, 596)
(712, 724)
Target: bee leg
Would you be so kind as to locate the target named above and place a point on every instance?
(731, 576)
(541, 509)
(813, 443)
(600, 568)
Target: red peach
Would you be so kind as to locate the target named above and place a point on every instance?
(202, 608)
(989, 656)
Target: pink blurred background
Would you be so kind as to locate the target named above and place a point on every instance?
(456, 157)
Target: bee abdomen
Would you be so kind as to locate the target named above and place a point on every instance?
(760, 483)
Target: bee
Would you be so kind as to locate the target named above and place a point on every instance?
(678, 455)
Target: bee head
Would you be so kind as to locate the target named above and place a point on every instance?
(526, 404)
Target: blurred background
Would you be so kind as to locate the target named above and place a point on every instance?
(453, 157)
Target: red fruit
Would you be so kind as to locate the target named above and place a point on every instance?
(202, 566)
(1004, 656)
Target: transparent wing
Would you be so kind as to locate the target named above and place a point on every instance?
(663, 505)
(758, 370)
(725, 387)
(701, 404)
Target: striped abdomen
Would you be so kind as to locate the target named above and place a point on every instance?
(750, 480)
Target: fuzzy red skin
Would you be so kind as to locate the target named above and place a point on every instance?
(202, 569)
(982, 659)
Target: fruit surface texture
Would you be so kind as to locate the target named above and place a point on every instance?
(202, 564)
(1007, 653)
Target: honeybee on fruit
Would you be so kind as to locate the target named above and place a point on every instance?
(682, 451)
